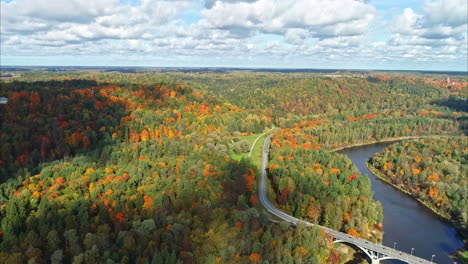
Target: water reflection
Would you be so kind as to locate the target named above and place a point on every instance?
(406, 221)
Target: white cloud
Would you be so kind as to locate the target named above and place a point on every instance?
(319, 18)
(330, 32)
(446, 12)
(439, 32)
(12, 21)
(408, 23)
(83, 19)
(70, 10)
(296, 35)
(211, 3)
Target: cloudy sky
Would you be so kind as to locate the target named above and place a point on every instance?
(343, 34)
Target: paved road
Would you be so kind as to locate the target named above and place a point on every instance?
(389, 252)
(255, 142)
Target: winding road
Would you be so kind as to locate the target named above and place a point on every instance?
(375, 252)
(255, 142)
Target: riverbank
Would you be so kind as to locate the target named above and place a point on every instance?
(461, 255)
(405, 220)
(446, 217)
(338, 148)
(382, 177)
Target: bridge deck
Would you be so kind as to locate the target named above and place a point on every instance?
(387, 252)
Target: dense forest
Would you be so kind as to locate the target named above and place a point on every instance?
(433, 170)
(149, 167)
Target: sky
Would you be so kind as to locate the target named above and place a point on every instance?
(320, 34)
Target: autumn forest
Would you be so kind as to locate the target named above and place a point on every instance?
(160, 167)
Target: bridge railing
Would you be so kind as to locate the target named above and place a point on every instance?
(387, 252)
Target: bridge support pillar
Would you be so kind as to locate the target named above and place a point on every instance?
(373, 256)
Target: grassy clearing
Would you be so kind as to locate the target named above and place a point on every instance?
(256, 156)
(257, 152)
(250, 139)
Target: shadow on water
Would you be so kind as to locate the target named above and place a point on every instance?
(406, 222)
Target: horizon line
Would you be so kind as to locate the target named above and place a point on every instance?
(228, 68)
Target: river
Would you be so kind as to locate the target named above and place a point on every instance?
(406, 222)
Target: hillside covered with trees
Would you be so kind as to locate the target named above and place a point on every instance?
(144, 168)
(433, 170)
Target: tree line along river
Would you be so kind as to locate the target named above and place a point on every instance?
(407, 224)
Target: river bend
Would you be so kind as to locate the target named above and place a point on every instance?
(407, 222)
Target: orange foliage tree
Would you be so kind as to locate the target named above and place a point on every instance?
(433, 177)
(433, 191)
(254, 258)
(353, 232)
(351, 177)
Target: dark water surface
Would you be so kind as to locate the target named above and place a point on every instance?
(407, 222)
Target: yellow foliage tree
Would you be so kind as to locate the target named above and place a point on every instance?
(301, 251)
(148, 203)
(144, 135)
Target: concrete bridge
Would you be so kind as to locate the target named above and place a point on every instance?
(374, 252)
